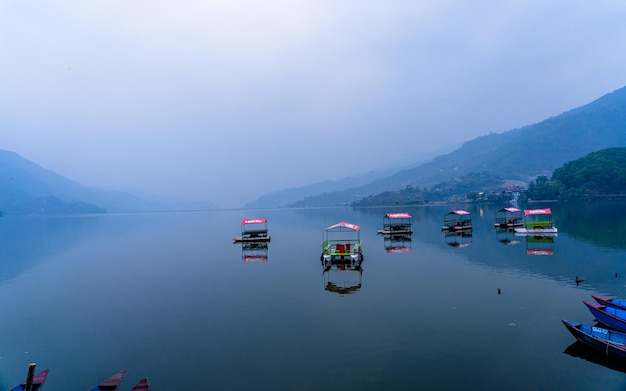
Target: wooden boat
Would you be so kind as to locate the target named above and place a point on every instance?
(617, 303)
(613, 343)
(609, 316)
(457, 220)
(253, 230)
(110, 384)
(396, 224)
(143, 385)
(38, 381)
(537, 222)
(509, 218)
(340, 242)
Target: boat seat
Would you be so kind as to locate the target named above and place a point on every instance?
(340, 248)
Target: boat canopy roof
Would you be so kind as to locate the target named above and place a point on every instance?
(254, 221)
(459, 212)
(343, 224)
(510, 209)
(401, 215)
(544, 211)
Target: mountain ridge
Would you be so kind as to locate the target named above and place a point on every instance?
(517, 154)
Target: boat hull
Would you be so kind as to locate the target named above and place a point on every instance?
(38, 382)
(537, 232)
(616, 303)
(609, 341)
(609, 316)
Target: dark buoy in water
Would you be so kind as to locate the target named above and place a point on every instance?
(499, 291)
(615, 274)
(579, 280)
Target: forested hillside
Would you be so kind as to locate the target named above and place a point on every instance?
(600, 173)
(520, 154)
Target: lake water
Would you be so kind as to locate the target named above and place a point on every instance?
(168, 296)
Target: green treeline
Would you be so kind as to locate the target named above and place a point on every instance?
(598, 174)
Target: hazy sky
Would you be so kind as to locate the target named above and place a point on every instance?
(228, 100)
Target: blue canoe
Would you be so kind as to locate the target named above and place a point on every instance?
(110, 384)
(38, 381)
(607, 301)
(610, 316)
(612, 343)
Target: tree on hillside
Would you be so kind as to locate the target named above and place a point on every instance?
(601, 172)
(544, 189)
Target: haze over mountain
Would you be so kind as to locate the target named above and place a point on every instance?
(518, 154)
(27, 188)
(227, 100)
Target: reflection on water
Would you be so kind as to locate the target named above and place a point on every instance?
(458, 239)
(397, 243)
(168, 296)
(581, 350)
(254, 251)
(507, 236)
(540, 245)
(342, 277)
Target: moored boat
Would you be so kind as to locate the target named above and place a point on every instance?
(537, 222)
(609, 302)
(253, 230)
(396, 224)
(509, 218)
(340, 242)
(110, 384)
(609, 316)
(36, 384)
(457, 220)
(143, 385)
(613, 343)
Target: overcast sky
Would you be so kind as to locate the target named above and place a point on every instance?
(228, 100)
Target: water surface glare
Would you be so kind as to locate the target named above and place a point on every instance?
(168, 296)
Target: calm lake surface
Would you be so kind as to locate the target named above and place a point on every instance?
(168, 296)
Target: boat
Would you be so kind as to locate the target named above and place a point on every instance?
(457, 220)
(613, 343)
(617, 303)
(509, 218)
(253, 230)
(36, 383)
(609, 316)
(537, 222)
(340, 242)
(396, 224)
(143, 385)
(110, 384)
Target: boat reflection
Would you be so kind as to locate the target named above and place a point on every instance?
(254, 251)
(458, 238)
(342, 276)
(507, 237)
(580, 350)
(397, 243)
(540, 245)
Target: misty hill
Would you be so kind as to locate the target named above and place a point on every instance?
(518, 154)
(27, 188)
(293, 195)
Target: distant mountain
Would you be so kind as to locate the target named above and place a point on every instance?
(27, 188)
(518, 154)
(290, 196)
